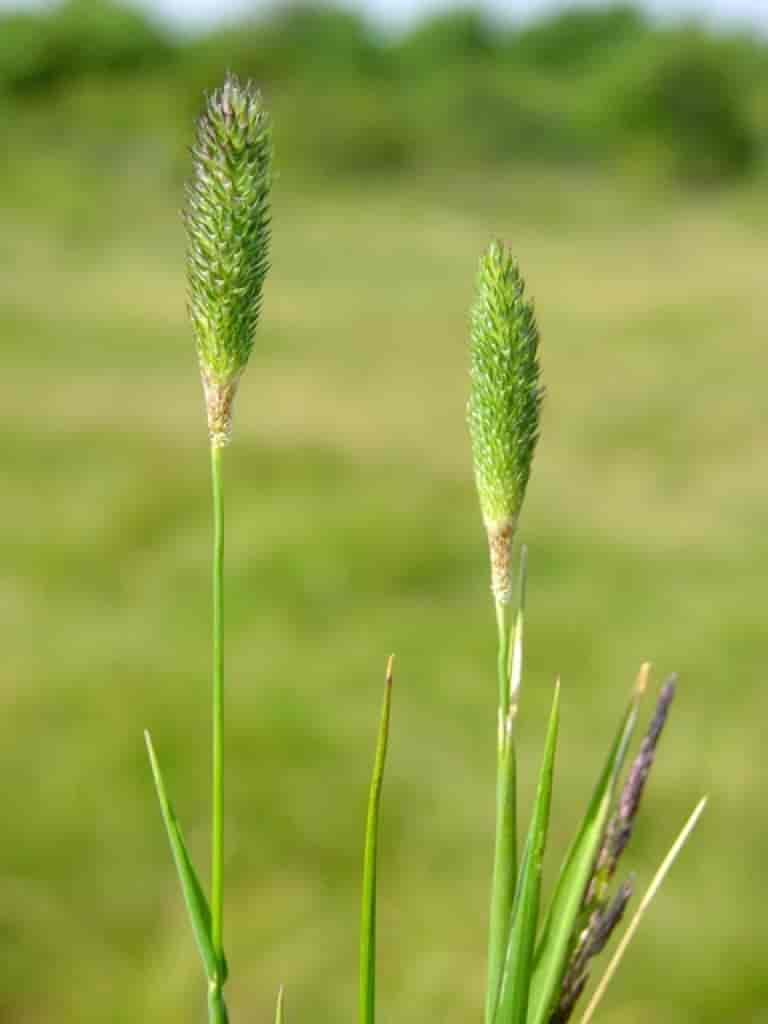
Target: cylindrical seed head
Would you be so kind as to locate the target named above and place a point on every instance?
(504, 404)
(228, 227)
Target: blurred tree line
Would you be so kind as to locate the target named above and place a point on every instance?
(589, 86)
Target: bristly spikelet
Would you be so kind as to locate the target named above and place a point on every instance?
(227, 219)
(504, 403)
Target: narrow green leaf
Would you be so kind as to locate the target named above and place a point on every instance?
(515, 985)
(368, 909)
(279, 1019)
(197, 905)
(556, 940)
(516, 658)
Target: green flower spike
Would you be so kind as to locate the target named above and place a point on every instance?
(504, 404)
(228, 227)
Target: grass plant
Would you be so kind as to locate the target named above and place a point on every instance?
(538, 959)
(227, 220)
(640, 508)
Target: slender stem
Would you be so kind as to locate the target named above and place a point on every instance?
(503, 625)
(217, 825)
(217, 1009)
(367, 1008)
(505, 847)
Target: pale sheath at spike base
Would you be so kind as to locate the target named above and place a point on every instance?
(227, 218)
(504, 404)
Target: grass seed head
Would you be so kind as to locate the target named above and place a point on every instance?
(227, 218)
(504, 403)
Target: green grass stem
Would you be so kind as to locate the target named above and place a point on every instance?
(368, 907)
(217, 1008)
(505, 842)
(504, 651)
(217, 801)
(504, 877)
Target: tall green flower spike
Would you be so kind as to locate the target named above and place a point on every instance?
(504, 404)
(503, 416)
(228, 229)
(227, 221)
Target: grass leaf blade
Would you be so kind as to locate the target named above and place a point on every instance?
(197, 905)
(368, 909)
(555, 943)
(279, 1012)
(515, 986)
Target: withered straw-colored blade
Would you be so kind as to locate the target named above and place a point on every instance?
(653, 888)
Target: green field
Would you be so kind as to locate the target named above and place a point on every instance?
(354, 532)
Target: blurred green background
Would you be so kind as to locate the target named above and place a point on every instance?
(625, 162)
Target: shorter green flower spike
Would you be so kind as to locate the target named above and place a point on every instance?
(228, 227)
(504, 404)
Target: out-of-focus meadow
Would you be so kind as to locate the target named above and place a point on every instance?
(625, 165)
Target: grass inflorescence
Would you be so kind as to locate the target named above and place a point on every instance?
(505, 396)
(228, 232)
